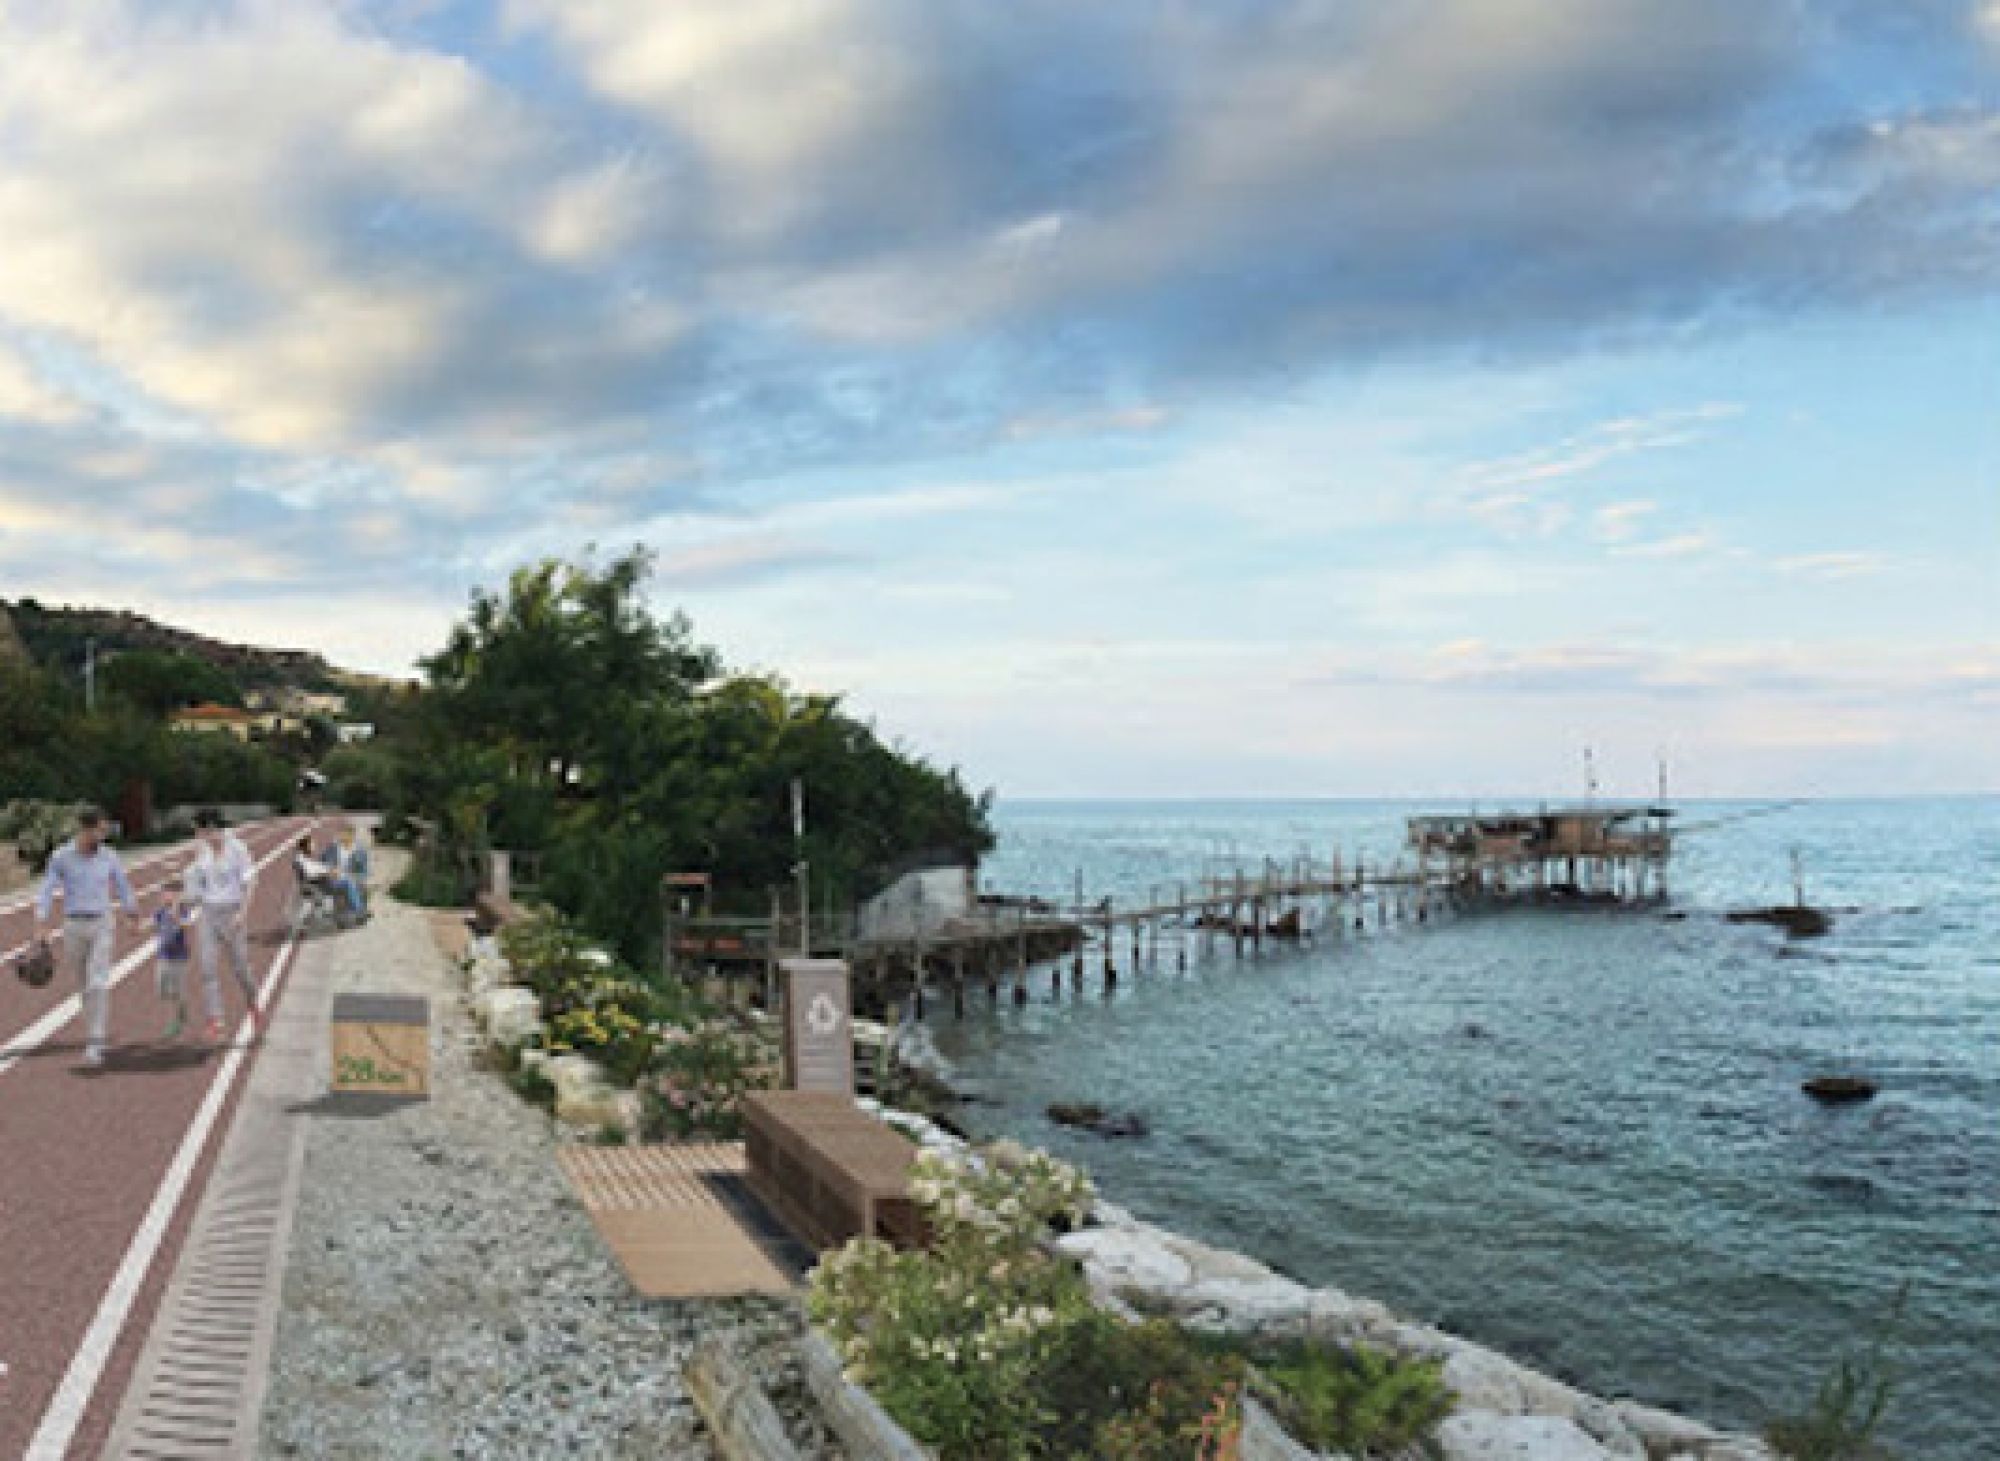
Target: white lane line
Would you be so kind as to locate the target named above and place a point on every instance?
(72, 1398)
(39, 1033)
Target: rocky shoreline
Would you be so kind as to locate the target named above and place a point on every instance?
(456, 1207)
(1505, 1411)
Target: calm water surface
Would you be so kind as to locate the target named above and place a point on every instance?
(1576, 1136)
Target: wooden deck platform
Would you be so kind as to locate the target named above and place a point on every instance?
(681, 1221)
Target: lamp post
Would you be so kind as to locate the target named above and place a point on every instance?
(804, 873)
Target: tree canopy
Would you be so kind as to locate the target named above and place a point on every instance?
(564, 717)
(159, 683)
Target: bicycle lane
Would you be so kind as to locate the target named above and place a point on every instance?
(30, 1016)
(87, 1234)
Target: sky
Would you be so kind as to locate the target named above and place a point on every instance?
(1148, 398)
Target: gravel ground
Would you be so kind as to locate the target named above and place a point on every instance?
(446, 1296)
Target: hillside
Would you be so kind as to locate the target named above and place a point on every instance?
(12, 649)
(57, 636)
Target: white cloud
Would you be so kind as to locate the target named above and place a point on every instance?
(1602, 444)
(26, 396)
(774, 93)
(1832, 565)
(1679, 545)
(1618, 522)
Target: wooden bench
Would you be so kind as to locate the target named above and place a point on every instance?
(829, 1170)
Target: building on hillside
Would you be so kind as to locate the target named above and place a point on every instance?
(214, 719)
(354, 732)
(272, 723)
(330, 703)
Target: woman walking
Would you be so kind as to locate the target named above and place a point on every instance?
(222, 879)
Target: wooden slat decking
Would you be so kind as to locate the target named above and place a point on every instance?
(679, 1220)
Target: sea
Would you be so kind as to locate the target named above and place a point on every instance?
(1575, 1135)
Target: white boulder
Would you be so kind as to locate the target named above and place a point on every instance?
(1662, 1431)
(1482, 1435)
(1215, 1263)
(510, 1014)
(1246, 1305)
(1343, 1319)
(1738, 1448)
(585, 1097)
(1122, 1259)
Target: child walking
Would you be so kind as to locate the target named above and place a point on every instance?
(170, 931)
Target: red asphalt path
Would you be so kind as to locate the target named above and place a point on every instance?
(82, 1153)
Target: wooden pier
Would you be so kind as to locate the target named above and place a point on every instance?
(1608, 857)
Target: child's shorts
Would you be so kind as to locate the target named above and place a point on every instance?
(172, 976)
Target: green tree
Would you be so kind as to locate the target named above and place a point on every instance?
(563, 716)
(158, 683)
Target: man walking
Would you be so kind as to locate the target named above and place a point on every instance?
(89, 876)
(221, 880)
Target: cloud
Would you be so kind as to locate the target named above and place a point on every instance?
(1853, 672)
(24, 395)
(790, 232)
(1832, 565)
(1602, 444)
(1679, 545)
(1618, 522)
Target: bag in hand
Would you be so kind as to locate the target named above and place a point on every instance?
(37, 966)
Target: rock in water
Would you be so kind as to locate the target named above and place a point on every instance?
(1836, 1089)
(1088, 1116)
(1797, 920)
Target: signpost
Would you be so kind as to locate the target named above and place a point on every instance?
(819, 1027)
(382, 1044)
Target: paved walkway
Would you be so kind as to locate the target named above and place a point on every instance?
(102, 1168)
(443, 1275)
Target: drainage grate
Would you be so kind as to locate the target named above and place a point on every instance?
(198, 1391)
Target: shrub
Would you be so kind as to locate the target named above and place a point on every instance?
(1850, 1404)
(1359, 1401)
(593, 1004)
(700, 1077)
(989, 1349)
(428, 885)
(954, 1341)
(1139, 1392)
(37, 828)
(533, 1087)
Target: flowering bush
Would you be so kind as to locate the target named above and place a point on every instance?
(954, 1341)
(37, 828)
(593, 1004)
(700, 1076)
(988, 1348)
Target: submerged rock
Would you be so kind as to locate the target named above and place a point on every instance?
(1087, 1116)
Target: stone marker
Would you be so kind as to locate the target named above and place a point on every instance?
(819, 1026)
(382, 1044)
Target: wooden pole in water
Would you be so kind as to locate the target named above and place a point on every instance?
(1183, 940)
(1236, 913)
